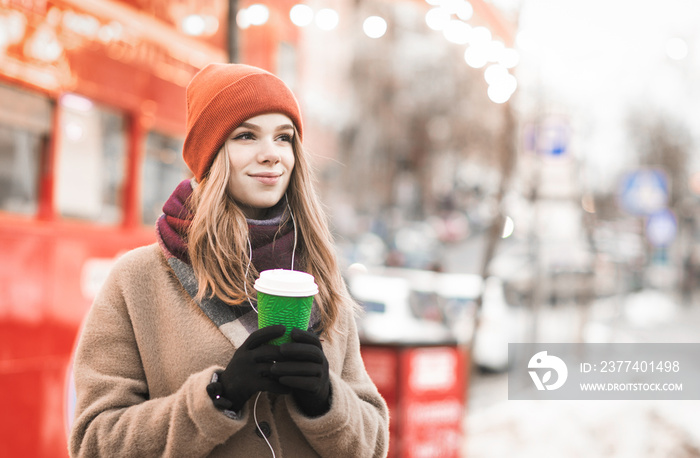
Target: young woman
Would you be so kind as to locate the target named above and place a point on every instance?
(171, 361)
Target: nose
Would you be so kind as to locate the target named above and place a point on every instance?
(268, 152)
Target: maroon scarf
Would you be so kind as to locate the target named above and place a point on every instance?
(272, 240)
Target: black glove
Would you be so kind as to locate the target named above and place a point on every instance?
(249, 371)
(304, 369)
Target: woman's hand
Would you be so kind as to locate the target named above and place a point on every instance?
(304, 368)
(249, 371)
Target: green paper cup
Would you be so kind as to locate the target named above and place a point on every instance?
(285, 297)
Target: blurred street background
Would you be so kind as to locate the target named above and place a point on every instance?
(509, 170)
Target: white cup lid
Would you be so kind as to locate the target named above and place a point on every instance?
(287, 283)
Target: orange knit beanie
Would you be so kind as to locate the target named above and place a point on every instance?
(222, 96)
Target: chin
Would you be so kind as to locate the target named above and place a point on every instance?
(268, 203)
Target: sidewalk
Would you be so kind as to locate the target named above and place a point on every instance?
(496, 427)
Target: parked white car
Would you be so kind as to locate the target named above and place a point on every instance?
(388, 317)
(417, 306)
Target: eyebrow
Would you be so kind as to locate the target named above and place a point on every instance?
(251, 126)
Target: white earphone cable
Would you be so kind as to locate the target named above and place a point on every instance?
(294, 223)
(255, 406)
(245, 288)
(245, 278)
(257, 425)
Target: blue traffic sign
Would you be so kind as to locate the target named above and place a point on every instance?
(644, 192)
(550, 137)
(661, 228)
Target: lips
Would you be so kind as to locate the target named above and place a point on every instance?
(267, 178)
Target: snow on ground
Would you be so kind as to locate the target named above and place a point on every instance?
(583, 429)
(496, 427)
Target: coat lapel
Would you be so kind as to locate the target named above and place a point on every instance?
(235, 322)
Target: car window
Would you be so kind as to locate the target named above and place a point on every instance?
(371, 306)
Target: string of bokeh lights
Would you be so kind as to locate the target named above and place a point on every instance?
(449, 17)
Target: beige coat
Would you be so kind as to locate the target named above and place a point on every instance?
(147, 353)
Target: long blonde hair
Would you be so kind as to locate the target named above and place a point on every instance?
(218, 239)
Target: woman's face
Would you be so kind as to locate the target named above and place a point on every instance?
(262, 159)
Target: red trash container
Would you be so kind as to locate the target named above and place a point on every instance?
(425, 387)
